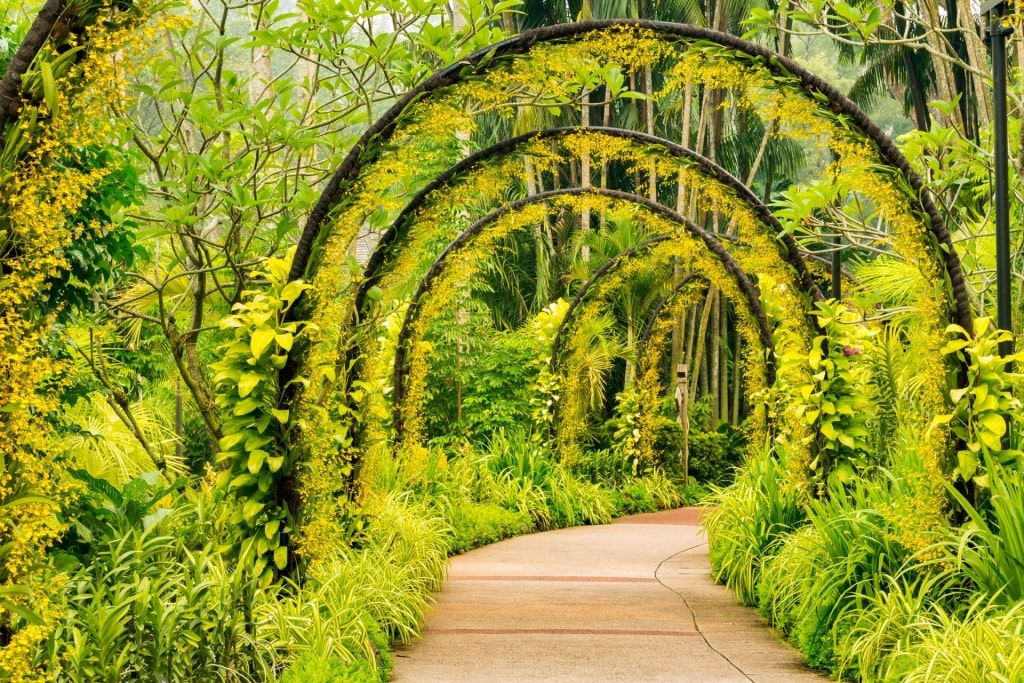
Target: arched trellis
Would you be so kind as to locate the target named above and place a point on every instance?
(368, 148)
(746, 288)
(756, 312)
(608, 268)
(393, 236)
(659, 307)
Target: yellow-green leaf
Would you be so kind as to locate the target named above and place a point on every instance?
(285, 341)
(261, 339)
(247, 383)
(49, 87)
(251, 509)
(256, 461)
(994, 423)
(246, 406)
(281, 556)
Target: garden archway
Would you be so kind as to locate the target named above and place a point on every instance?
(373, 166)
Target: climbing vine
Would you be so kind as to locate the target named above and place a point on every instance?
(254, 454)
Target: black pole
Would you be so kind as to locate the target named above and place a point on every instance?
(997, 33)
(997, 37)
(837, 269)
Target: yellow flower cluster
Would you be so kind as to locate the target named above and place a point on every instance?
(39, 196)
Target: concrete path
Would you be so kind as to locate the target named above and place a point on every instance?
(630, 601)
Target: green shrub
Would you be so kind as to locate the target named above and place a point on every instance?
(634, 499)
(151, 595)
(692, 492)
(746, 522)
(310, 668)
(814, 587)
(714, 456)
(891, 620)
(477, 524)
(574, 502)
(983, 645)
(608, 466)
(991, 551)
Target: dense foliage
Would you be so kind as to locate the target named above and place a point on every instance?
(225, 458)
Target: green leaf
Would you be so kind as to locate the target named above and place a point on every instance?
(990, 440)
(262, 337)
(285, 341)
(255, 462)
(967, 464)
(281, 557)
(230, 441)
(49, 87)
(241, 480)
(994, 423)
(292, 290)
(281, 415)
(27, 615)
(246, 406)
(251, 508)
(247, 383)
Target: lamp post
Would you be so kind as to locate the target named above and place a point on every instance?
(996, 37)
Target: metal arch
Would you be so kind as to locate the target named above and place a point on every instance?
(367, 148)
(608, 266)
(660, 306)
(710, 241)
(790, 251)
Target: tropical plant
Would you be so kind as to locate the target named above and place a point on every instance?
(747, 522)
(254, 447)
(984, 407)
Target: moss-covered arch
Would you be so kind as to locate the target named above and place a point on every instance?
(395, 236)
(779, 72)
(744, 287)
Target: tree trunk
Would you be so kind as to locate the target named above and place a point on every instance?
(714, 379)
(35, 38)
(723, 365)
(261, 72)
(699, 378)
(737, 350)
(977, 59)
(679, 328)
(945, 81)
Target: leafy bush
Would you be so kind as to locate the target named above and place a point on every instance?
(746, 522)
(634, 499)
(480, 376)
(574, 502)
(827, 569)
(992, 551)
(650, 493)
(890, 621)
(477, 524)
(606, 466)
(692, 493)
(714, 455)
(312, 669)
(983, 645)
(154, 597)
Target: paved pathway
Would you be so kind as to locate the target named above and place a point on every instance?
(630, 601)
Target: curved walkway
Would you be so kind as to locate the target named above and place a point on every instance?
(630, 601)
